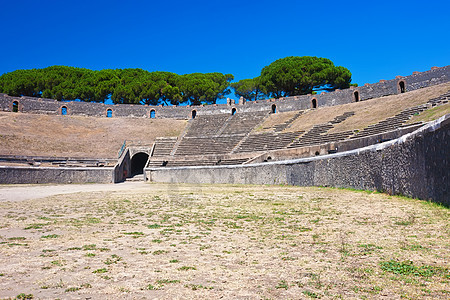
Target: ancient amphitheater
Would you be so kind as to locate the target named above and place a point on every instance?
(391, 136)
(299, 214)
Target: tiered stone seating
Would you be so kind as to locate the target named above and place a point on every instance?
(316, 136)
(206, 125)
(391, 123)
(227, 135)
(400, 119)
(163, 146)
(282, 126)
(267, 141)
(243, 123)
(312, 137)
(207, 145)
(442, 99)
(342, 117)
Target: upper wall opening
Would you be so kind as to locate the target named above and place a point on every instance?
(401, 87)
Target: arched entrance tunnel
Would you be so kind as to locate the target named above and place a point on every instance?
(138, 162)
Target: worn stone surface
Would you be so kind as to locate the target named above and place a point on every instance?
(17, 175)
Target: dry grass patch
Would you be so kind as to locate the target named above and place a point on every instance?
(230, 241)
(77, 136)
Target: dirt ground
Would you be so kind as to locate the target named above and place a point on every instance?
(179, 241)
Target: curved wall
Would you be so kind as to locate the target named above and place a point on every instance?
(368, 91)
(416, 165)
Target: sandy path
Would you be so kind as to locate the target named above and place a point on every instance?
(29, 192)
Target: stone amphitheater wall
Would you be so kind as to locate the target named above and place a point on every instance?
(19, 175)
(368, 91)
(415, 165)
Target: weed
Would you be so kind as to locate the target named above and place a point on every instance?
(36, 226)
(16, 244)
(57, 263)
(90, 247)
(282, 285)
(24, 296)
(186, 268)
(113, 260)
(50, 236)
(73, 248)
(72, 289)
(152, 287)
(287, 258)
(166, 281)
(195, 287)
(100, 271)
(135, 234)
(18, 238)
(48, 250)
(174, 261)
(316, 281)
(159, 252)
(311, 294)
(368, 248)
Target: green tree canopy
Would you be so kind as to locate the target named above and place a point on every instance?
(128, 86)
(199, 88)
(294, 75)
(250, 89)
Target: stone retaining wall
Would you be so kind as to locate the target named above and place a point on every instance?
(414, 165)
(16, 175)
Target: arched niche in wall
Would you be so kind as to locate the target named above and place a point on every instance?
(64, 110)
(401, 86)
(15, 106)
(109, 113)
(152, 114)
(313, 103)
(274, 108)
(194, 114)
(356, 96)
(233, 111)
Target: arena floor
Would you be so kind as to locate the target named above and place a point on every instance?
(140, 240)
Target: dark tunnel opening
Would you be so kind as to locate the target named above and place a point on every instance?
(138, 162)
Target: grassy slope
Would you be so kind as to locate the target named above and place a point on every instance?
(77, 136)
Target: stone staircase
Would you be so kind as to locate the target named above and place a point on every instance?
(164, 146)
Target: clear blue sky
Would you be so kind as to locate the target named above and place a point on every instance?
(374, 40)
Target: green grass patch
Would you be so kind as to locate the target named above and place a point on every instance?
(186, 268)
(50, 236)
(100, 271)
(408, 268)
